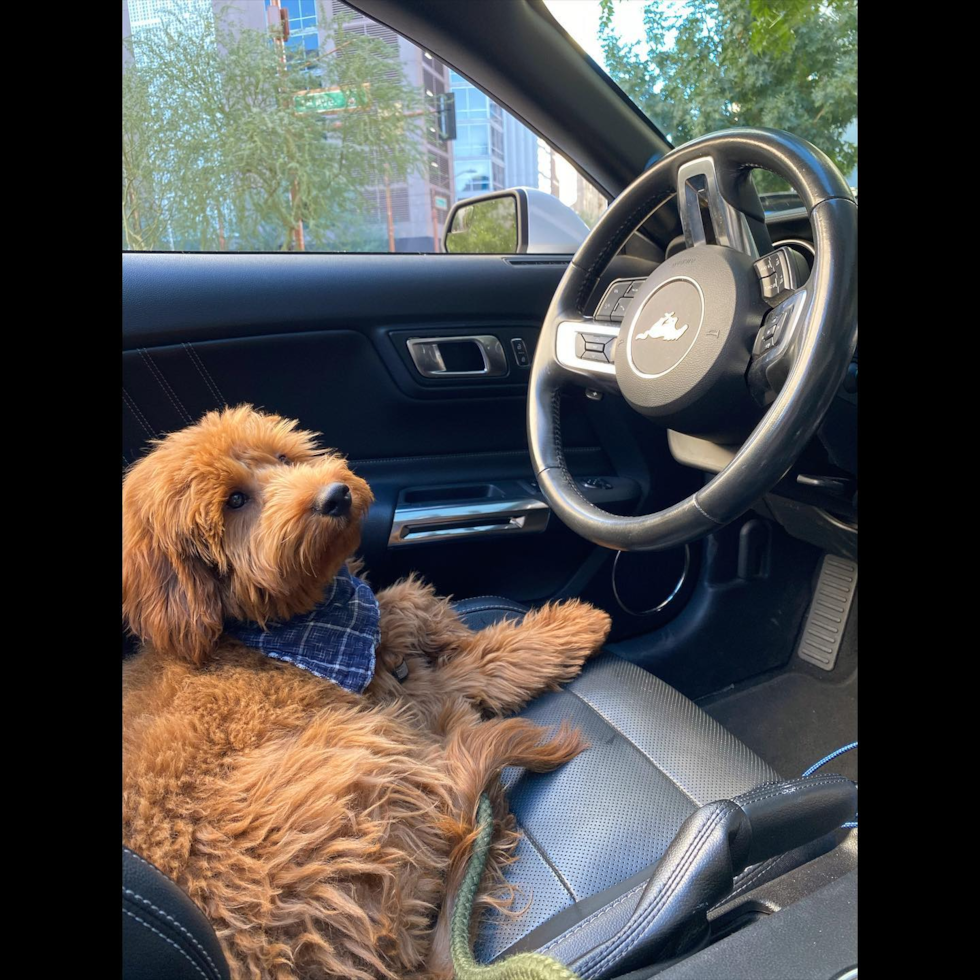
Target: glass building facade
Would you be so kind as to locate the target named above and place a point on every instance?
(492, 149)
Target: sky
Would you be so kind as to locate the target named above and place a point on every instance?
(581, 19)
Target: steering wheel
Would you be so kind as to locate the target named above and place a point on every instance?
(717, 342)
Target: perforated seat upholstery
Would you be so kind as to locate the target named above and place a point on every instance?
(593, 828)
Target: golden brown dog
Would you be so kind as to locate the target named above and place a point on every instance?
(323, 832)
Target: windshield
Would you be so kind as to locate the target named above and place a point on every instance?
(696, 66)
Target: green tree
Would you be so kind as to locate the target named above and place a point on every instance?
(221, 152)
(714, 64)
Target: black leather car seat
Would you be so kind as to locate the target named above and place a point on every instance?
(639, 803)
(165, 935)
(595, 829)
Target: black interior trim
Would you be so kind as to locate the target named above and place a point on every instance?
(212, 296)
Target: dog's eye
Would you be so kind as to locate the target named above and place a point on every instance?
(283, 458)
(236, 500)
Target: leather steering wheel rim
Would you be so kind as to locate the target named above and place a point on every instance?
(823, 338)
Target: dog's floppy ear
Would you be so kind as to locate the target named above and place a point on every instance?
(172, 601)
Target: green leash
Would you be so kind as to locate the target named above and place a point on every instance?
(521, 966)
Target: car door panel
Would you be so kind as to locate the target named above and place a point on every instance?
(223, 294)
(322, 339)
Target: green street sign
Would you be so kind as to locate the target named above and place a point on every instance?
(326, 100)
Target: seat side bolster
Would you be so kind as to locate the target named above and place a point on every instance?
(698, 869)
(165, 935)
(670, 915)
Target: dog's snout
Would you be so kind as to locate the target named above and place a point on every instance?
(333, 500)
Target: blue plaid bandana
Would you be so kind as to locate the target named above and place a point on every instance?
(335, 641)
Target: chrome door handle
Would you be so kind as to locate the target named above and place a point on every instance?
(428, 356)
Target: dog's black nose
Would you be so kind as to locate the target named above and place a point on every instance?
(333, 500)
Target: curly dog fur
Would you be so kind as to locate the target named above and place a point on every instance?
(323, 833)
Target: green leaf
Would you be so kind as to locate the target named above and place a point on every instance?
(783, 64)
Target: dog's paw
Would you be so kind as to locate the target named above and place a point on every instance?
(575, 628)
(589, 623)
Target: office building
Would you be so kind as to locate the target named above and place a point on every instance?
(493, 150)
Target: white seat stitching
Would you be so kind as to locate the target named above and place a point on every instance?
(183, 952)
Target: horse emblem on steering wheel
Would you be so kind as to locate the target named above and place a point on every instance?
(664, 329)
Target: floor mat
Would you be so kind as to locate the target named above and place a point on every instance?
(793, 721)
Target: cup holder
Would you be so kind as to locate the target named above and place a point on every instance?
(646, 582)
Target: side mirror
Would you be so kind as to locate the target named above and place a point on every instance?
(512, 222)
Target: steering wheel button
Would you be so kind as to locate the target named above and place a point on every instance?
(634, 286)
(773, 285)
(620, 309)
(613, 295)
(781, 271)
(767, 265)
(595, 355)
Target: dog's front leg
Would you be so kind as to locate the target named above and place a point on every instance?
(415, 621)
(505, 665)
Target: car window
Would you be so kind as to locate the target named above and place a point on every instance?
(302, 125)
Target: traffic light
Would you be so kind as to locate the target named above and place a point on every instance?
(446, 116)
